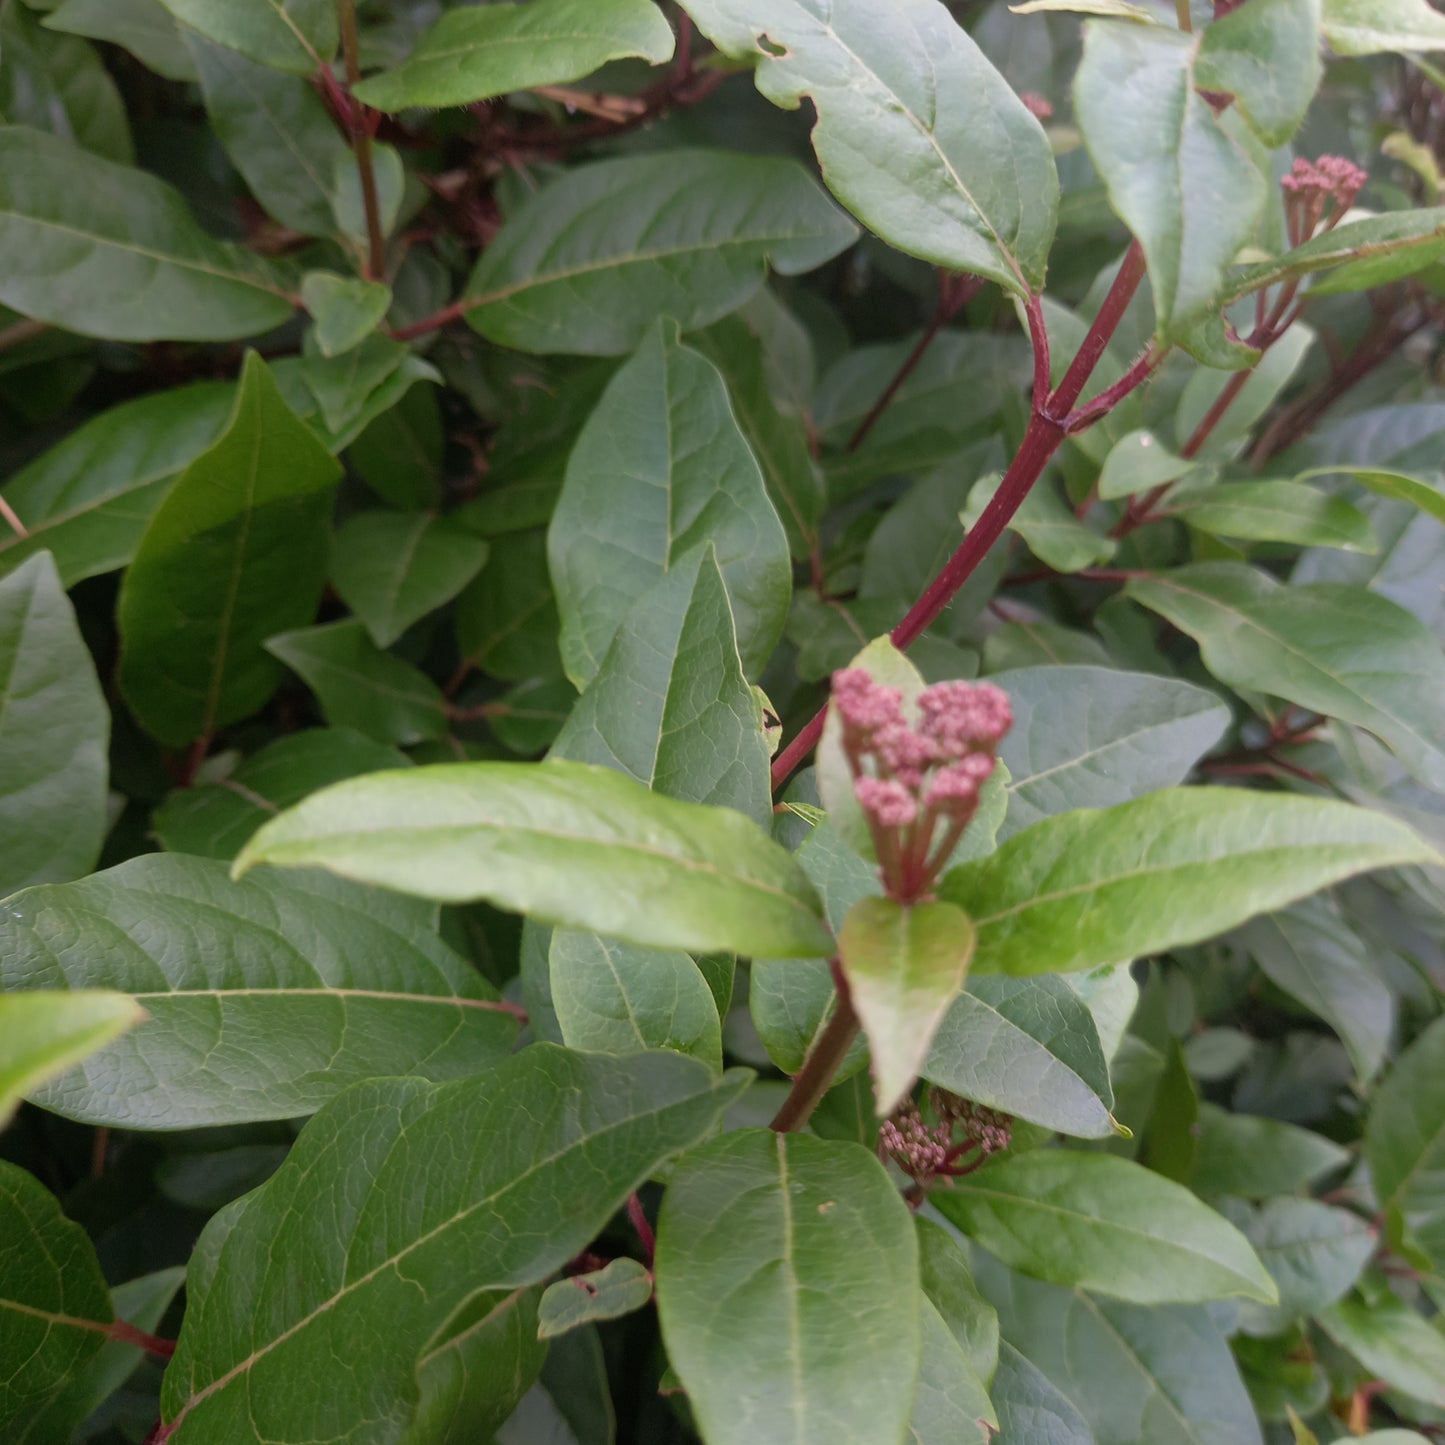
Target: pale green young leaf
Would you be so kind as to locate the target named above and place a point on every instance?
(614, 998)
(392, 568)
(1267, 57)
(265, 998)
(54, 734)
(1186, 189)
(134, 263)
(904, 965)
(602, 1294)
(144, 27)
(1275, 511)
(345, 310)
(916, 133)
(590, 262)
(1392, 1342)
(486, 1169)
(293, 35)
(659, 468)
(478, 53)
(577, 846)
(234, 554)
(1117, 9)
(1262, 387)
(773, 1250)
(362, 687)
(1367, 27)
(46, 1032)
(670, 706)
(1028, 1047)
(1423, 492)
(213, 818)
(1139, 462)
(54, 1307)
(1341, 651)
(1097, 1222)
(1178, 866)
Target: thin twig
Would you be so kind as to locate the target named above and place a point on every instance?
(8, 513)
(822, 1063)
(361, 142)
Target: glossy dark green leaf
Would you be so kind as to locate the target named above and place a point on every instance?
(212, 819)
(266, 998)
(1096, 886)
(1182, 185)
(614, 998)
(1028, 1047)
(1255, 1158)
(588, 264)
(144, 27)
(54, 1306)
(1268, 59)
(1092, 736)
(602, 1294)
(1342, 651)
(1366, 27)
(1393, 1343)
(904, 964)
(89, 498)
(361, 687)
(670, 706)
(573, 845)
(445, 1173)
(773, 1250)
(507, 617)
(234, 554)
(1275, 512)
(475, 54)
(391, 569)
(659, 468)
(916, 133)
(135, 265)
(1107, 1225)
(399, 454)
(294, 35)
(54, 731)
(1405, 1142)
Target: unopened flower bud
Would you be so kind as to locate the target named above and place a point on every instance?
(887, 801)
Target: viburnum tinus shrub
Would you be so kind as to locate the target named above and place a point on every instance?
(722, 721)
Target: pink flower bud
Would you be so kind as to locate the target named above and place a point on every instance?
(864, 705)
(961, 717)
(886, 801)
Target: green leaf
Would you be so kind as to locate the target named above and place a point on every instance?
(1183, 186)
(659, 468)
(144, 27)
(1262, 387)
(276, 131)
(447, 1174)
(613, 998)
(1139, 462)
(573, 845)
(590, 262)
(360, 686)
(294, 35)
(1291, 512)
(507, 618)
(392, 568)
(772, 1249)
(1268, 59)
(54, 1305)
(670, 706)
(266, 998)
(916, 133)
(339, 396)
(1088, 737)
(90, 497)
(1177, 866)
(1392, 1342)
(235, 553)
(905, 963)
(345, 310)
(951, 1405)
(1048, 526)
(399, 454)
(947, 1280)
(1254, 1158)
(583, 1299)
(105, 250)
(1314, 956)
(1028, 1047)
(1366, 27)
(1405, 1143)
(58, 83)
(1162, 1374)
(212, 819)
(54, 731)
(1368, 252)
(1341, 651)
(1421, 492)
(1104, 1224)
(1030, 1408)
(44, 1033)
(477, 54)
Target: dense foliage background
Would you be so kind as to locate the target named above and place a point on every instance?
(414, 384)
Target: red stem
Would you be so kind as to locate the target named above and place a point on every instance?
(644, 1229)
(822, 1063)
(1106, 323)
(127, 1334)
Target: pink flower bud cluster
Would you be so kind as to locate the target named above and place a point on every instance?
(1319, 191)
(910, 779)
(964, 1135)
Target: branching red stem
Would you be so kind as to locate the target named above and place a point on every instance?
(822, 1063)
